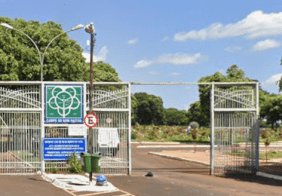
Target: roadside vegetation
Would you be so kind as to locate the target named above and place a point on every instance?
(179, 134)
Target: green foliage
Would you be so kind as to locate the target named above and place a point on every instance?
(134, 106)
(19, 58)
(195, 113)
(54, 170)
(271, 155)
(194, 124)
(175, 117)
(134, 135)
(150, 109)
(271, 108)
(75, 165)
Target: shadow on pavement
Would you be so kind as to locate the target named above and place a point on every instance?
(182, 170)
(254, 178)
(272, 169)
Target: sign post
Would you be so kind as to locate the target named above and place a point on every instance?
(90, 29)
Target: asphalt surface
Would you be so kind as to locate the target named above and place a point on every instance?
(178, 178)
(33, 185)
(170, 177)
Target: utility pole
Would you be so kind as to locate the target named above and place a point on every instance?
(90, 29)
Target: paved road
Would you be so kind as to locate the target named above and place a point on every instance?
(178, 178)
(32, 185)
(171, 177)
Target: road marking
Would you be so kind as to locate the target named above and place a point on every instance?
(98, 193)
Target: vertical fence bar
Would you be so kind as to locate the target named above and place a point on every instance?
(212, 130)
(42, 128)
(129, 131)
(257, 129)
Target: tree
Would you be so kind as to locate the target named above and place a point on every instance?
(134, 105)
(19, 59)
(175, 117)
(150, 109)
(195, 113)
(271, 108)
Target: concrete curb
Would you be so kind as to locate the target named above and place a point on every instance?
(179, 158)
(155, 143)
(186, 146)
(269, 175)
(262, 174)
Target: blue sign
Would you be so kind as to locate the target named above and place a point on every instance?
(62, 148)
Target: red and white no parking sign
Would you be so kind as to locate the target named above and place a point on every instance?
(91, 120)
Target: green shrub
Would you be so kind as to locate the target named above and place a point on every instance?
(54, 170)
(75, 165)
(194, 124)
(134, 135)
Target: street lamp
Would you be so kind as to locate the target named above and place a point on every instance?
(39, 53)
(90, 29)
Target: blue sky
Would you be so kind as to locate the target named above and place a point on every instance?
(171, 41)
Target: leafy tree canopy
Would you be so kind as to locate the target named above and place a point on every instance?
(150, 109)
(175, 117)
(19, 59)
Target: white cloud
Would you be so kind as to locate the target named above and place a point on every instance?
(166, 38)
(102, 55)
(143, 63)
(232, 48)
(175, 73)
(265, 45)
(179, 59)
(154, 73)
(256, 24)
(175, 59)
(272, 80)
(132, 41)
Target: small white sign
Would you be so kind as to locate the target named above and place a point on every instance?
(77, 130)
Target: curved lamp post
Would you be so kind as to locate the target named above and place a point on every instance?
(39, 53)
(91, 30)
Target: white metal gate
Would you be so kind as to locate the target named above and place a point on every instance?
(234, 128)
(112, 106)
(20, 130)
(23, 127)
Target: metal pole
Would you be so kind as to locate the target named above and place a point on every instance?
(91, 91)
(212, 130)
(257, 128)
(129, 131)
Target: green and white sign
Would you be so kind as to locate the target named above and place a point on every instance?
(64, 104)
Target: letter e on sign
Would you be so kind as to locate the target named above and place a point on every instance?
(91, 120)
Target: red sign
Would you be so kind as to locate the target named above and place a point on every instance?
(91, 120)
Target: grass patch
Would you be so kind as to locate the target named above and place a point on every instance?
(271, 155)
(262, 156)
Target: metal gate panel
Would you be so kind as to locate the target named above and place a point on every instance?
(112, 106)
(235, 130)
(20, 128)
(20, 149)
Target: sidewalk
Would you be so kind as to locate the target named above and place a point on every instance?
(270, 169)
(76, 184)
